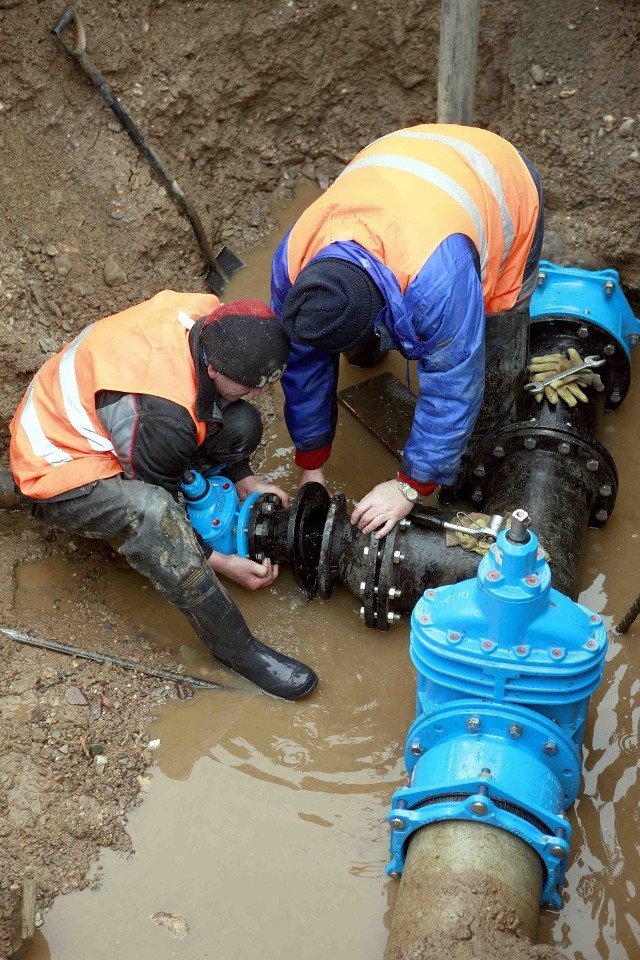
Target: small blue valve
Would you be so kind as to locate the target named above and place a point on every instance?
(216, 513)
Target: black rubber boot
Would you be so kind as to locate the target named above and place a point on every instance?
(220, 625)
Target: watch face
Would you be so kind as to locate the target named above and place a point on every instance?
(408, 492)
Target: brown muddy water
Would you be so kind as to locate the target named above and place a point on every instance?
(265, 821)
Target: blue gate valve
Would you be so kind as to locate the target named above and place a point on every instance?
(506, 666)
(215, 511)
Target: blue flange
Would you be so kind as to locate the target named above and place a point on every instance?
(594, 296)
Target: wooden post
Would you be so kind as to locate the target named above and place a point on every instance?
(457, 60)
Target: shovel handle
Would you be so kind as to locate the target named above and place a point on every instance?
(68, 17)
(217, 276)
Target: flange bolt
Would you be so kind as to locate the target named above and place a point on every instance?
(608, 288)
(473, 724)
(416, 749)
(550, 748)
(515, 731)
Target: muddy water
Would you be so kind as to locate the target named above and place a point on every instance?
(265, 821)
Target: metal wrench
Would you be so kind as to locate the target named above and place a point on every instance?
(490, 532)
(588, 362)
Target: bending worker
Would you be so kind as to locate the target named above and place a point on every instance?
(108, 426)
(425, 232)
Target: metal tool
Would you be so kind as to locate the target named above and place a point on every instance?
(496, 523)
(221, 267)
(588, 363)
(73, 651)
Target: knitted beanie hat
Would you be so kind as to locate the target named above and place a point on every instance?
(244, 341)
(332, 306)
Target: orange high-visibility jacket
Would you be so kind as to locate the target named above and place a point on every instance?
(405, 193)
(57, 440)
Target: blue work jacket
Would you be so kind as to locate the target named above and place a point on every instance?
(439, 322)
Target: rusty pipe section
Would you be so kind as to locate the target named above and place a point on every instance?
(476, 873)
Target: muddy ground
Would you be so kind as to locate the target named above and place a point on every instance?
(243, 102)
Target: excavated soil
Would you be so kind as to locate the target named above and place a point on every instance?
(243, 102)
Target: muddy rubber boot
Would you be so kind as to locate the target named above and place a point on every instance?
(220, 625)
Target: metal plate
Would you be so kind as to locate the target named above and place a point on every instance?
(385, 407)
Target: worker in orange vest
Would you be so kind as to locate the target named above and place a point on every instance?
(428, 231)
(108, 426)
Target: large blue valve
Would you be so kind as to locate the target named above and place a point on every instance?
(506, 666)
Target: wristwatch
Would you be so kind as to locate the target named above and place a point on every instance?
(408, 492)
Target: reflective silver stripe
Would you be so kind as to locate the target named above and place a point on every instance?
(528, 287)
(76, 413)
(485, 169)
(439, 179)
(40, 443)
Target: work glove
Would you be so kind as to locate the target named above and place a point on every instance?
(569, 388)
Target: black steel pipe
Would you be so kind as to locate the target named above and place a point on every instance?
(548, 335)
(388, 575)
(558, 497)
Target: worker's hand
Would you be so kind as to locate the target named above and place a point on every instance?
(247, 573)
(381, 509)
(313, 476)
(251, 484)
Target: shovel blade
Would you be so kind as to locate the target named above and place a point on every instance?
(222, 269)
(228, 262)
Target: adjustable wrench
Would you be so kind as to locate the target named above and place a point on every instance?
(587, 364)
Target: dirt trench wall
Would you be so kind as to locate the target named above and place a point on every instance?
(243, 101)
